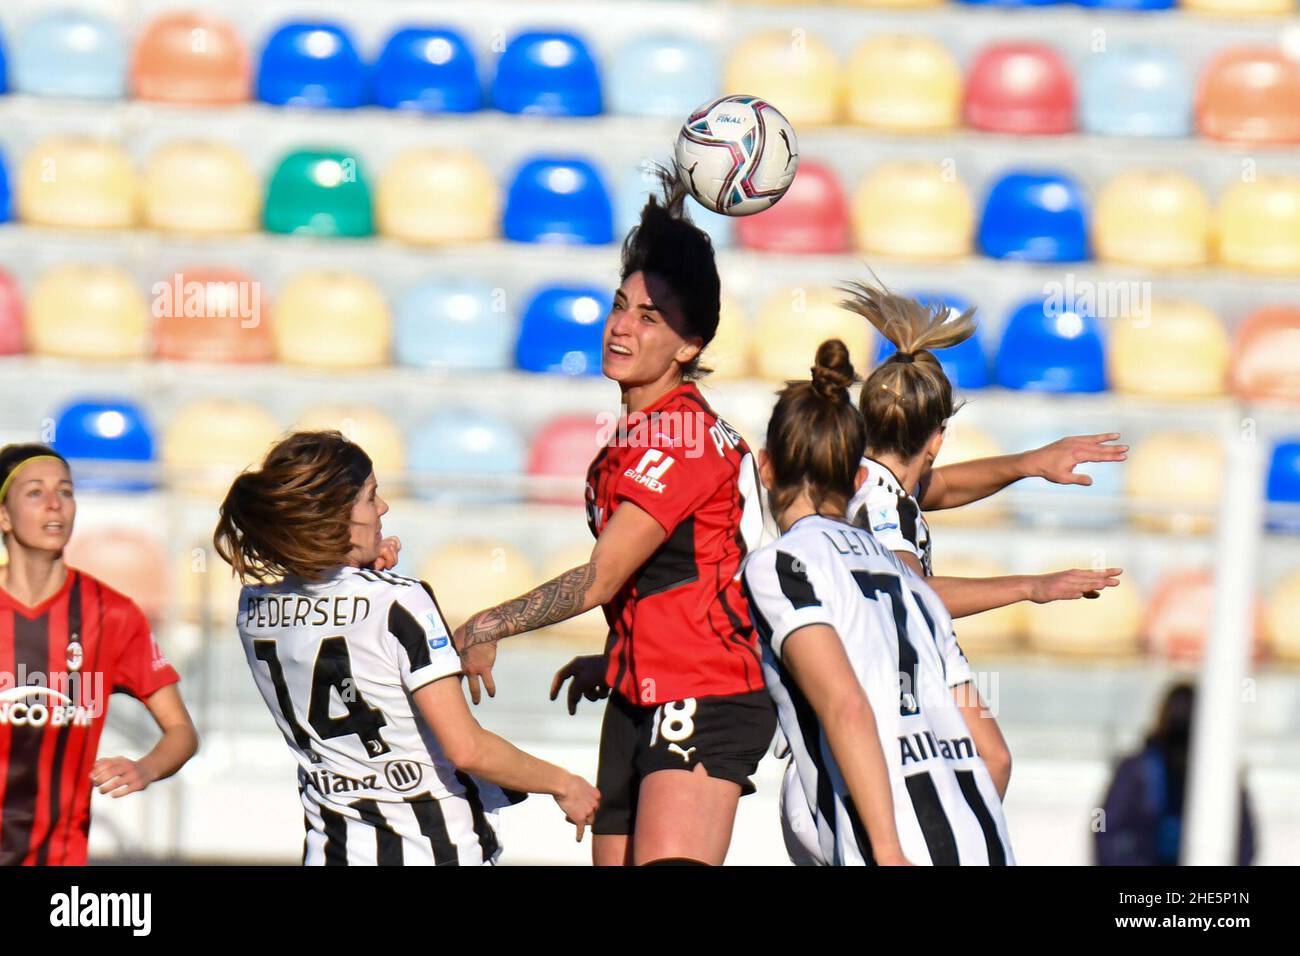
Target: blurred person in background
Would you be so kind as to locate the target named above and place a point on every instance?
(1143, 822)
(352, 662)
(67, 641)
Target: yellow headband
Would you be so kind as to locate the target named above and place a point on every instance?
(4, 486)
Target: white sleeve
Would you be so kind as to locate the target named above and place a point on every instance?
(782, 595)
(876, 509)
(955, 666)
(424, 649)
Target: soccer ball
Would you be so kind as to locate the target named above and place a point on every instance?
(737, 155)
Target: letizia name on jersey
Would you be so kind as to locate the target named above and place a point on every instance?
(928, 747)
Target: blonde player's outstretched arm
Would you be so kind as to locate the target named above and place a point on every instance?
(819, 665)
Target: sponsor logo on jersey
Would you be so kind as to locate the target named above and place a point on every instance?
(885, 524)
(435, 629)
(651, 469)
(35, 706)
(403, 775)
(437, 643)
(323, 781)
(926, 746)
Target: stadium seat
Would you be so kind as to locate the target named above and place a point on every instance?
(800, 75)
(212, 315)
(551, 74)
(433, 196)
(1010, 3)
(191, 58)
(1136, 91)
(1266, 355)
(474, 574)
(1173, 481)
(1239, 8)
(1152, 218)
(78, 183)
(87, 312)
(127, 560)
(558, 199)
(465, 456)
(370, 428)
(1282, 619)
(562, 331)
(201, 187)
(1250, 95)
(1107, 627)
(728, 355)
(998, 632)
(332, 320)
(108, 442)
(913, 210)
(453, 324)
(1035, 216)
(70, 53)
(1050, 347)
(1042, 503)
(664, 75)
(886, 4)
(1176, 348)
(636, 188)
(314, 65)
(209, 442)
(204, 586)
(560, 453)
(6, 192)
(1258, 225)
(1180, 614)
(429, 70)
(1127, 6)
(590, 627)
(13, 338)
(318, 194)
(1284, 485)
(965, 364)
(963, 441)
(4, 67)
(793, 321)
(812, 217)
(903, 83)
(1019, 87)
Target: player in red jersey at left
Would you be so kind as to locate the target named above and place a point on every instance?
(673, 501)
(67, 641)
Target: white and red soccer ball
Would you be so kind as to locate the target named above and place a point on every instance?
(737, 155)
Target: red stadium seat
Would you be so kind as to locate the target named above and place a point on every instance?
(1020, 88)
(1180, 614)
(191, 58)
(126, 560)
(1250, 95)
(12, 337)
(212, 315)
(561, 452)
(1266, 356)
(813, 217)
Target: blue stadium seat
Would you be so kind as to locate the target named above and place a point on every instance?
(636, 188)
(1284, 484)
(429, 70)
(965, 364)
(663, 75)
(462, 455)
(1046, 349)
(558, 199)
(6, 193)
(1035, 216)
(553, 74)
(562, 331)
(1136, 91)
(1132, 6)
(453, 324)
(4, 67)
(70, 53)
(1012, 3)
(105, 433)
(311, 64)
(1097, 505)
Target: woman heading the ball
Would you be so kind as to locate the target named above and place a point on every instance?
(674, 505)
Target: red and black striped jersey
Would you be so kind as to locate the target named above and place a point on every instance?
(680, 626)
(59, 662)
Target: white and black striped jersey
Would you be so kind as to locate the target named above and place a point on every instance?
(899, 639)
(892, 514)
(336, 662)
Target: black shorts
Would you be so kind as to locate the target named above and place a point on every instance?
(726, 735)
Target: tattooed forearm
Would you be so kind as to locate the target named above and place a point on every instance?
(557, 600)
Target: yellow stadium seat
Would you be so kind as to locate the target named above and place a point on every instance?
(904, 83)
(913, 210)
(75, 182)
(1108, 626)
(205, 584)
(87, 312)
(332, 320)
(1259, 225)
(1152, 218)
(892, 4)
(793, 70)
(375, 432)
(590, 628)
(209, 442)
(1173, 481)
(965, 442)
(126, 560)
(474, 574)
(1282, 618)
(432, 196)
(1239, 8)
(1177, 348)
(201, 187)
(1000, 631)
(794, 321)
(729, 353)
